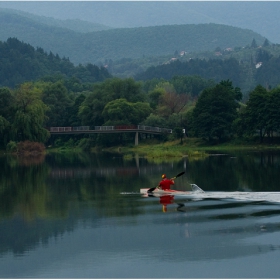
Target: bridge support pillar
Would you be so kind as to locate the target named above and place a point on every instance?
(136, 139)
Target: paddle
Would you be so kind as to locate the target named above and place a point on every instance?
(178, 175)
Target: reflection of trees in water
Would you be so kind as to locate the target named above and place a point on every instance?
(253, 171)
(23, 190)
(31, 159)
(37, 205)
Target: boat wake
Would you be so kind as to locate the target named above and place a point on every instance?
(198, 193)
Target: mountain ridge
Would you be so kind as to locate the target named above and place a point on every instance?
(259, 16)
(97, 46)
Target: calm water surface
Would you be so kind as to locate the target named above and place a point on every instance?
(82, 216)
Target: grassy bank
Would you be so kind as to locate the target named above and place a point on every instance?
(190, 147)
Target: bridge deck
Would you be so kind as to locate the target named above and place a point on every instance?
(110, 129)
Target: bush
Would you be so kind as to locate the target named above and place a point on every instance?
(30, 148)
(11, 147)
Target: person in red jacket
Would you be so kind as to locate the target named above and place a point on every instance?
(165, 183)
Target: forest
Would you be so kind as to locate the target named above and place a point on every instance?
(40, 90)
(204, 109)
(20, 62)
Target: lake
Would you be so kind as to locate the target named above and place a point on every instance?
(82, 216)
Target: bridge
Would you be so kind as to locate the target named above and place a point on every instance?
(110, 129)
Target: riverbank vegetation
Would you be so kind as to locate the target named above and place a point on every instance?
(192, 106)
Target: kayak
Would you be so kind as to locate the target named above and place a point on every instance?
(159, 192)
(164, 192)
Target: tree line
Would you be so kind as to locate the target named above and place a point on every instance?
(247, 68)
(205, 109)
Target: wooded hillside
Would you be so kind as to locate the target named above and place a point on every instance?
(114, 44)
(20, 62)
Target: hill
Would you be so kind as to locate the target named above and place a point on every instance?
(96, 47)
(259, 16)
(20, 62)
(71, 24)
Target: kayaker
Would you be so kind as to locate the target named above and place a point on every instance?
(165, 183)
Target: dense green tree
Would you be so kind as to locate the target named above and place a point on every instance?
(120, 110)
(265, 43)
(215, 112)
(154, 121)
(254, 44)
(73, 111)
(6, 102)
(30, 114)
(273, 112)
(155, 95)
(56, 97)
(4, 131)
(192, 85)
(255, 117)
(90, 111)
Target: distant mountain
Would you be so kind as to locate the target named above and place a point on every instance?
(71, 24)
(259, 16)
(113, 44)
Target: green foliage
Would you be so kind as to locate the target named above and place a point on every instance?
(6, 103)
(120, 110)
(11, 147)
(56, 97)
(86, 144)
(212, 69)
(4, 131)
(261, 114)
(215, 112)
(30, 114)
(90, 111)
(154, 121)
(21, 63)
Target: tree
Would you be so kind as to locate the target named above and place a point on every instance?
(155, 96)
(255, 117)
(6, 102)
(74, 109)
(90, 111)
(254, 44)
(56, 97)
(215, 112)
(169, 102)
(265, 43)
(273, 112)
(4, 131)
(155, 121)
(30, 114)
(121, 110)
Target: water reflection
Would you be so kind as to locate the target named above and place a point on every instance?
(73, 204)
